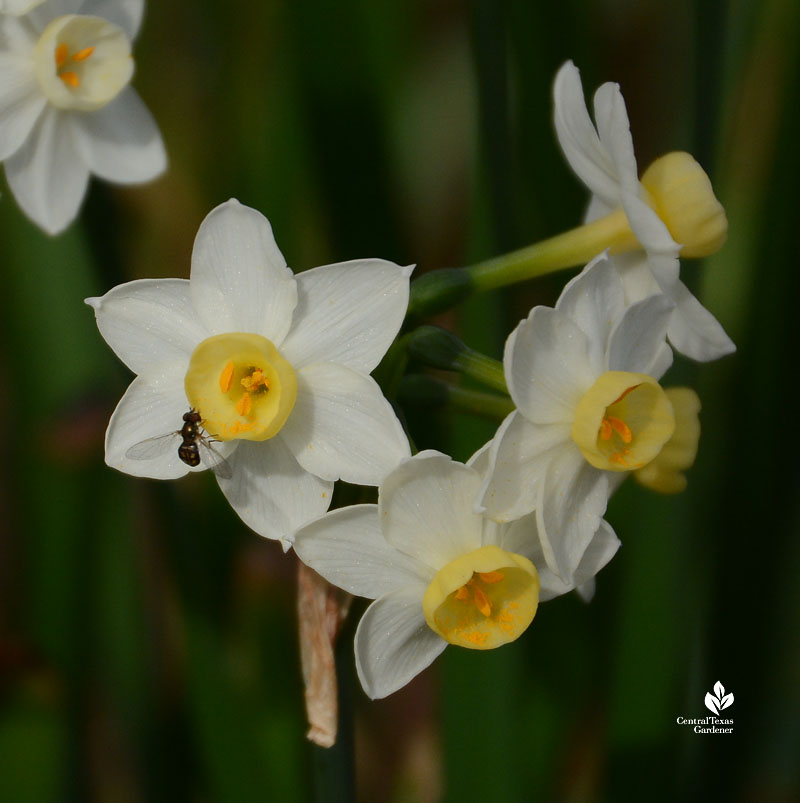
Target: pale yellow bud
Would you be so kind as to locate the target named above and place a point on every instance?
(682, 196)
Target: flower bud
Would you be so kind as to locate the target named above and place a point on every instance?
(681, 194)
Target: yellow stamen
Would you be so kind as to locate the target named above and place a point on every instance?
(255, 381)
(244, 405)
(605, 430)
(619, 458)
(482, 601)
(61, 55)
(620, 427)
(490, 577)
(70, 79)
(84, 54)
(462, 594)
(226, 377)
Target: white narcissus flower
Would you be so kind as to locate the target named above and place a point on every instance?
(671, 211)
(67, 109)
(277, 366)
(439, 572)
(584, 377)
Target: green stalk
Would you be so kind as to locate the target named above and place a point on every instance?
(441, 289)
(439, 348)
(428, 391)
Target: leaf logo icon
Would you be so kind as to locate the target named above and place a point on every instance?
(719, 700)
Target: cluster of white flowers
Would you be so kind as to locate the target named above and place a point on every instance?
(67, 109)
(264, 376)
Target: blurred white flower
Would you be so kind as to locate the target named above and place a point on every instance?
(67, 109)
(671, 211)
(584, 377)
(439, 572)
(276, 365)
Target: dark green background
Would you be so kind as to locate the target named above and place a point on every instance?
(147, 638)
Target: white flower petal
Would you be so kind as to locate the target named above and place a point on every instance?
(240, 282)
(348, 549)
(598, 553)
(270, 492)
(572, 498)
(480, 460)
(638, 281)
(640, 335)
(601, 549)
(653, 234)
(427, 506)
(343, 427)
(21, 102)
(517, 460)
(522, 538)
(595, 301)
(17, 36)
(578, 138)
(149, 321)
(393, 642)
(347, 313)
(47, 174)
(661, 361)
(614, 131)
(125, 13)
(694, 331)
(18, 7)
(547, 366)
(121, 141)
(152, 407)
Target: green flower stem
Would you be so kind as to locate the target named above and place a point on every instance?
(441, 349)
(574, 247)
(426, 390)
(442, 289)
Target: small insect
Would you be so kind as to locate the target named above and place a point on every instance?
(194, 444)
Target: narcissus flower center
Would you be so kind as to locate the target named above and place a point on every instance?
(82, 62)
(241, 385)
(483, 599)
(623, 421)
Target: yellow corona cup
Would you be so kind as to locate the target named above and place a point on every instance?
(241, 385)
(623, 421)
(483, 599)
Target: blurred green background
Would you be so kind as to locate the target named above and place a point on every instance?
(148, 639)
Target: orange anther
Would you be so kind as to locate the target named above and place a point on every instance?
(244, 405)
(462, 593)
(81, 55)
(61, 54)
(226, 377)
(491, 577)
(482, 601)
(70, 79)
(618, 457)
(605, 430)
(621, 428)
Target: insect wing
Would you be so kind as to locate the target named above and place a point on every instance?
(214, 460)
(151, 448)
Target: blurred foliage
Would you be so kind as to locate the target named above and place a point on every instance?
(147, 641)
